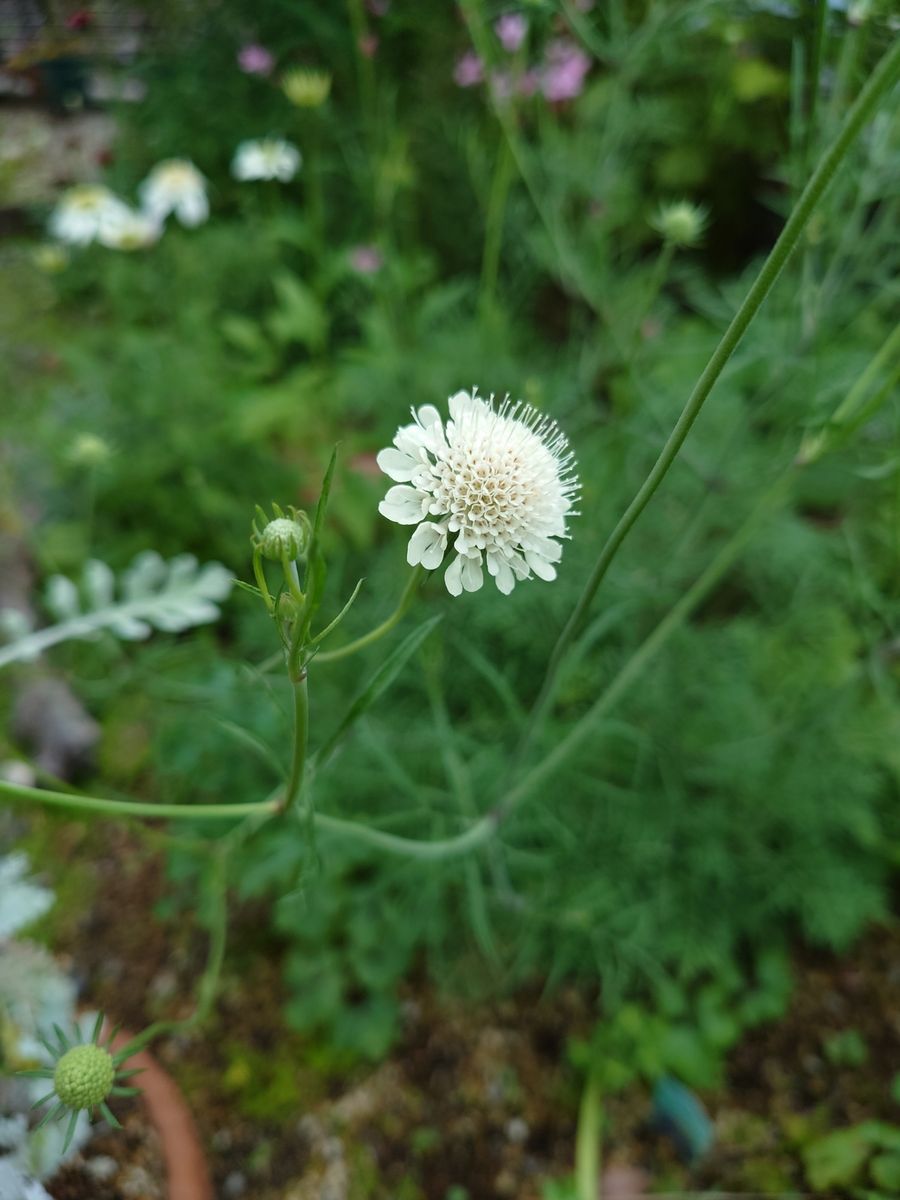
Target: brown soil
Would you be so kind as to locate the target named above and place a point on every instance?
(476, 1101)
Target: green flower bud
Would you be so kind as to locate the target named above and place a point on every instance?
(283, 536)
(84, 1076)
(680, 223)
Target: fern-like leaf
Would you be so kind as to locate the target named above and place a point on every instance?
(152, 594)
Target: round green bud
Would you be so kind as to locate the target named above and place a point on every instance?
(283, 536)
(84, 1076)
(681, 223)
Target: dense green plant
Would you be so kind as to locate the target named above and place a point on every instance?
(747, 787)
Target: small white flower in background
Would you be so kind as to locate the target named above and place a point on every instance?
(81, 211)
(267, 158)
(175, 186)
(128, 230)
(494, 486)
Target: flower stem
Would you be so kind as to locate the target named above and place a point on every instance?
(294, 789)
(587, 1141)
(493, 233)
(406, 599)
(208, 983)
(135, 808)
(881, 80)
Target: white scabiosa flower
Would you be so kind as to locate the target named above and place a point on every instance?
(81, 211)
(175, 186)
(267, 158)
(492, 485)
(128, 230)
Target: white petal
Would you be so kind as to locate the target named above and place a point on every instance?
(397, 465)
(453, 577)
(193, 208)
(502, 573)
(403, 505)
(428, 415)
(545, 547)
(410, 439)
(540, 566)
(472, 575)
(427, 546)
(461, 403)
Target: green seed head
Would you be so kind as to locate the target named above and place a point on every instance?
(84, 1076)
(681, 223)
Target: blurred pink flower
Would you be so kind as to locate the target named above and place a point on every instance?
(564, 70)
(368, 45)
(254, 59)
(529, 82)
(366, 260)
(511, 29)
(378, 8)
(469, 70)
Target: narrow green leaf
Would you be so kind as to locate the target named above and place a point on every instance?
(337, 620)
(70, 1132)
(107, 1113)
(63, 1040)
(42, 1073)
(379, 683)
(50, 1115)
(98, 1025)
(43, 1100)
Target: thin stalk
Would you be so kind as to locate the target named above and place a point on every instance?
(817, 46)
(208, 983)
(135, 808)
(493, 231)
(406, 599)
(882, 79)
(548, 766)
(587, 1142)
(294, 790)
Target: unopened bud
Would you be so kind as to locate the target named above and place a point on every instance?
(84, 1076)
(680, 223)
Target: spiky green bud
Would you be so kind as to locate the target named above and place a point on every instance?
(84, 1076)
(680, 223)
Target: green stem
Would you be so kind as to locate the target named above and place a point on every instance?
(587, 1142)
(209, 981)
(493, 232)
(409, 591)
(294, 789)
(135, 808)
(486, 827)
(879, 83)
(852, 410)
(545, 770)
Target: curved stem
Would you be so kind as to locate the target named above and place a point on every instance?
(294, 789)
(545, 769)
(209, 980)
(135, 808)
(412, 586)
(879, 83)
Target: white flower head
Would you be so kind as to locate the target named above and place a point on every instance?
(267, 158)
(128, 230)
(81, 211)
(492, 485)
(175, 186)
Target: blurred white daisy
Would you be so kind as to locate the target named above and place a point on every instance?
(175, 186)
(81, 211)
(494, 486)
(128, 230)
(266, 158)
